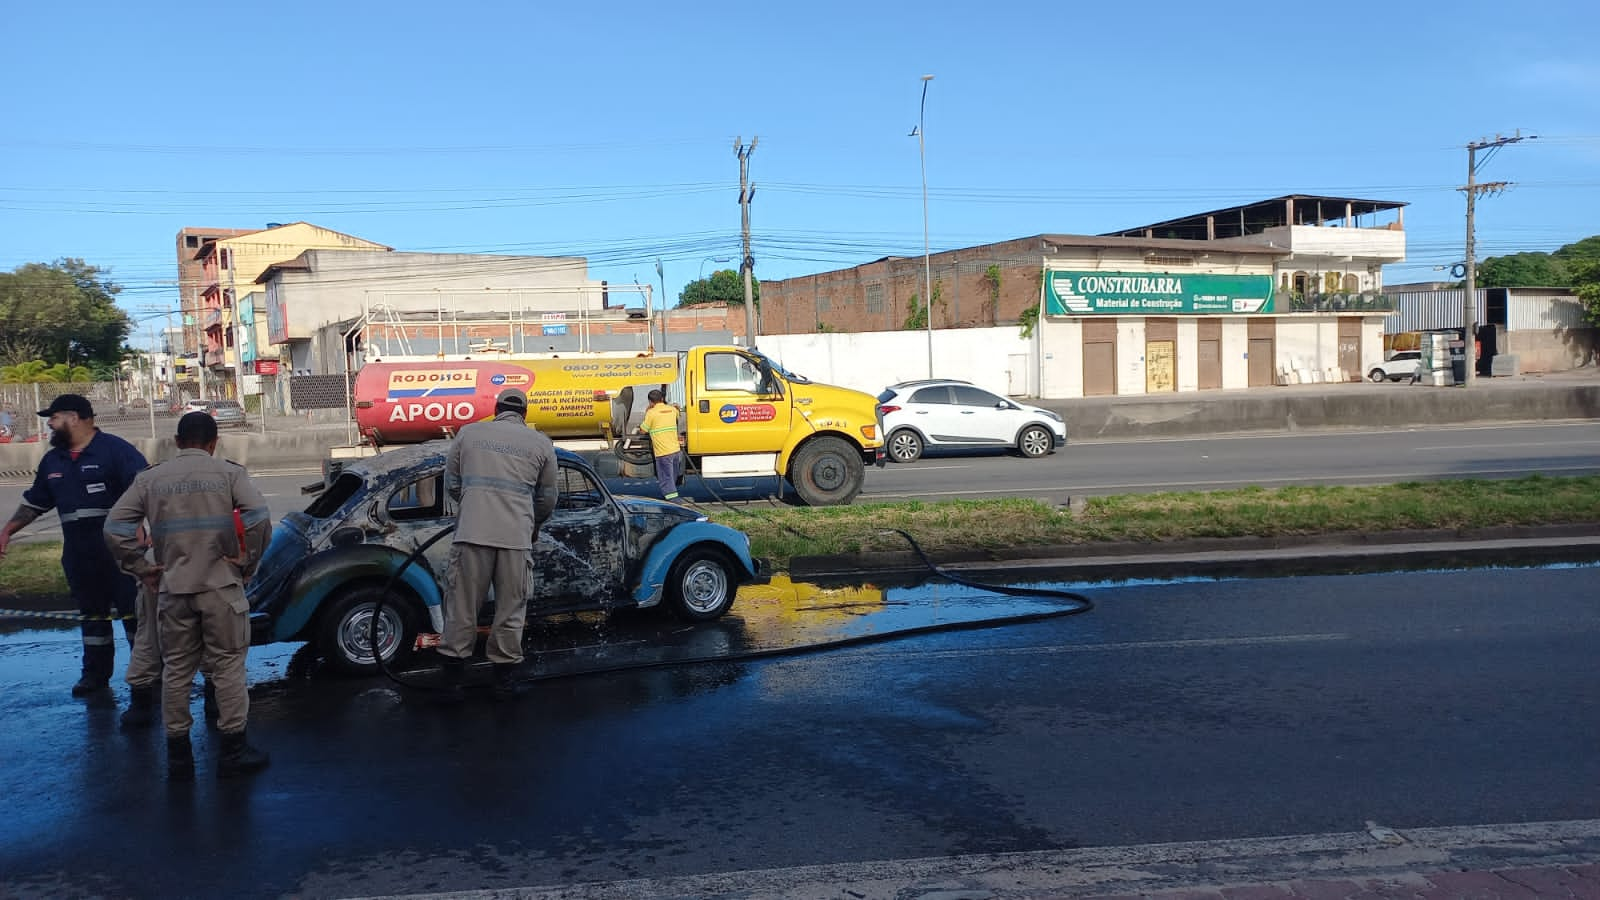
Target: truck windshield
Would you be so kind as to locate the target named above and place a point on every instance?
(789, 376)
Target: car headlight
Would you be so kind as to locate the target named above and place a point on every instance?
(1053, 415)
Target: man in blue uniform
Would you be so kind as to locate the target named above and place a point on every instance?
(81, 477)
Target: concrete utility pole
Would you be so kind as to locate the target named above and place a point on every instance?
(747, 191)
(1469, 313)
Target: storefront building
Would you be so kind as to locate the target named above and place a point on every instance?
(1286, 291)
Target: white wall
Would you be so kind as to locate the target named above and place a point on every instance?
(1061, 369)
(1362, 243)
(1371, 343)
(1235, 350)
(343, 283)
(1299, 346)
(870, 361)
(1130, 356)
(1188, 355)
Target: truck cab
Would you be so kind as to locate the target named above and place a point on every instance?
(745, 415)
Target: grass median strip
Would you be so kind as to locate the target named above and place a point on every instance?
(34, 567)
(1245, 512)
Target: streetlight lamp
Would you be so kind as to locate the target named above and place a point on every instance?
(927, 264)
(715, 259)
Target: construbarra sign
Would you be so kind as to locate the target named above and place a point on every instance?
(1155, 294)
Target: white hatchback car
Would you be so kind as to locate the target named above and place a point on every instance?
(944, 413)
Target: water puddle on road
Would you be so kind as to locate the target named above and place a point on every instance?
(783, 616)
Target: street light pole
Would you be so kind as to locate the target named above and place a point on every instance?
(927, 263)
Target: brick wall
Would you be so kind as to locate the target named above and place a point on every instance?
(877, 296)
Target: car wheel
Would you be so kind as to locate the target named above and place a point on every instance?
(827, 471)
(1376, 375)
(1035, 441)
(701, 585)
(905, 446)
(344, 633)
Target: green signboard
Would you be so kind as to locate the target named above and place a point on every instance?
(1155, 294)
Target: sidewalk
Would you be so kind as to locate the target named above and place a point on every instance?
(1518, 398)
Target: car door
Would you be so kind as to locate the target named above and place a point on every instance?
(984, 418)
(418, 510)
(932, 413)
(736, 407)
(580, 558)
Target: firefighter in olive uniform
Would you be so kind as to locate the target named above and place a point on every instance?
(83, 474)
(502, 475)
(200, 567)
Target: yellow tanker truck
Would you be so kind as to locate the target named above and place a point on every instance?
(742, 415)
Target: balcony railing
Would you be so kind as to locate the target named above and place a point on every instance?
(1362, 302)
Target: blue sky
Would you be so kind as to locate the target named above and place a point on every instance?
(607, 130)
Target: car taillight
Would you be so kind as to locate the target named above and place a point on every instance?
(886, 409)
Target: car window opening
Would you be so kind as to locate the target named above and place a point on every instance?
(329, 501)
(418, 500)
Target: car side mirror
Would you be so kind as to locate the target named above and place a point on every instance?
(347, 536)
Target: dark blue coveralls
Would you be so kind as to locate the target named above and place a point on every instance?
(82, 490)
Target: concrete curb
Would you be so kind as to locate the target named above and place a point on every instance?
(1217, 557)
(1139, 869)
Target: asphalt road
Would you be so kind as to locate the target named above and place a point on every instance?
(1120, 467)
(1172, 712)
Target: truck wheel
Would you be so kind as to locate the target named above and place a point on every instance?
(827, 472)
(701, 586)
(344, 631)
(905, 446)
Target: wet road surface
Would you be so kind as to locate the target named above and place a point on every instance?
(1172, 712)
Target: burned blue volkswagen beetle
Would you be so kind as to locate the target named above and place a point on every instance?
(326, 567)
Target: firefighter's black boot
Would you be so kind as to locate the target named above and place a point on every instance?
(238, 757)
(505, 682)
(180, 758)
(141, 711)
(90, 684)
(452, 673)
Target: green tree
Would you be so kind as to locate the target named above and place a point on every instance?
(38, 371)
(64, 311)
(1535, 269)
(721, 286)
(1586, 284)
(1522, 270)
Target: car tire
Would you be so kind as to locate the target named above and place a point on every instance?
(905, 446)
(344, 629)
(701, 585)
(827, 471)
(1377, 375)
(1035, 441)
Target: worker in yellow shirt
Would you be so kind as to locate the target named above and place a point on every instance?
(661, 423)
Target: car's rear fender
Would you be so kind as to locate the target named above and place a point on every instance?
(658, 560)
(333, 570)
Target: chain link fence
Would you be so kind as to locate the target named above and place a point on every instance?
(114, 410)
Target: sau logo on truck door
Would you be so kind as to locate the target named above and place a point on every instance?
(747, 412)
(407, 383)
